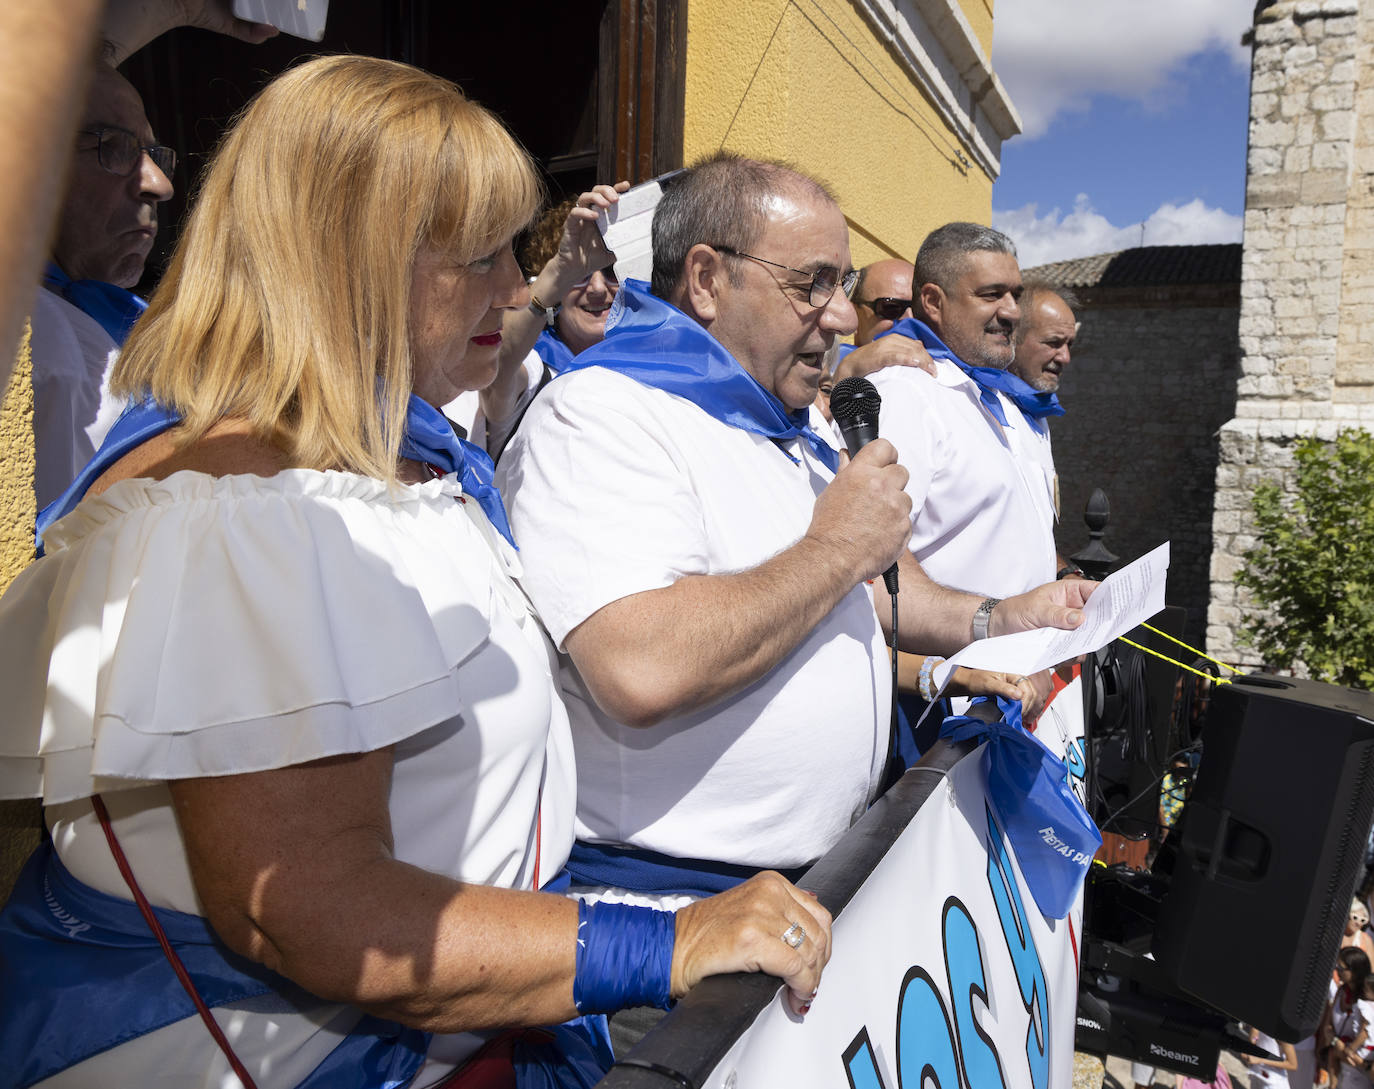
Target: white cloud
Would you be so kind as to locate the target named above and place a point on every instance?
(1056, 56)
(1084, 232)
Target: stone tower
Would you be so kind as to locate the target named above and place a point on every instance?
(1307, 274)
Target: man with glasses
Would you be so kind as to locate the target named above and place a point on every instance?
(703, 558)
(106, 226)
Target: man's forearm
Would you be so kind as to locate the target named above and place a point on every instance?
(679, 649)
(45, 53)
(935, 619)
(931, 619)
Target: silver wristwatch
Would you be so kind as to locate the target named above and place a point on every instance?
(983, 616)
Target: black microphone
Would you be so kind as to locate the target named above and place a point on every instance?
(854, 402)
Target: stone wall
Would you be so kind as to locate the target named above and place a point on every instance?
(1307, 291)
(1145, 394)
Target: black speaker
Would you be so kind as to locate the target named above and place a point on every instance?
(1272, 842)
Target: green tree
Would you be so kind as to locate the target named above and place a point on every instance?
(1312, 568)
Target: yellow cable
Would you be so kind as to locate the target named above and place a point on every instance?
(1185, 646)
(1166, 658)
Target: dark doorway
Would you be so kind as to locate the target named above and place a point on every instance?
(593, 88)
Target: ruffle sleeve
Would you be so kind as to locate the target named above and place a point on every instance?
(208, 626)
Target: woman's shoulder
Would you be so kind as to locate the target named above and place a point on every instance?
(300, 500)
(230, 448)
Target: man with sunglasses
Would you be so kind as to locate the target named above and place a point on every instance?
(702, 556)
(882, 296)
(106, 226)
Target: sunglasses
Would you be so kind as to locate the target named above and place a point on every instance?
(607, 274)
(888, 309)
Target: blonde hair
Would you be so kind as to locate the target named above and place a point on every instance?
(287, 301)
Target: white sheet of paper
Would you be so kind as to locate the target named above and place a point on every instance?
(1124, 599)
(626, 228)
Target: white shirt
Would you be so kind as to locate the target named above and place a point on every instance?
(466, 410)
(1268, 1077)
(982, 496)
(210, 626)
(72, 406)
(615, 488)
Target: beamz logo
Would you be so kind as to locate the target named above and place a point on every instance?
(1177, 1056)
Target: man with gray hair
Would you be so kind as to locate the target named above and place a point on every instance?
(983, 489)
(702, 557)
(1044, 335)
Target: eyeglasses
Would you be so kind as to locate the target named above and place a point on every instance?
(607, 274)
(118, 151)
(887, 309)
(824, 280)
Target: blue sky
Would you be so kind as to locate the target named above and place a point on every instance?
(1129, 120)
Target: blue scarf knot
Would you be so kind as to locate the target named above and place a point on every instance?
(430, 438)
(113, 307)
(990, 381)
(659, 346)
(1028, 788)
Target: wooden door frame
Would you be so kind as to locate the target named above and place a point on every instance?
(640, 88)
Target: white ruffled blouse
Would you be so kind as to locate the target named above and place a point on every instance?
(200, 626)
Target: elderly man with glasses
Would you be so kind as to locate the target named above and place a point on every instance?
(105, 230)
(702, 557)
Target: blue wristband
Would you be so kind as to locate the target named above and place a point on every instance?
(624, 957)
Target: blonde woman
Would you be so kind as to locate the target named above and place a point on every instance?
(274, 676)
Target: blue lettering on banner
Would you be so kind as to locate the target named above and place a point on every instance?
(967, 982)
(1025, 959)
(936, 1051)
(925, 1055)
(860, 1064)
(1077, 765)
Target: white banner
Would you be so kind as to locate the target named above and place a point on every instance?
(944, 973)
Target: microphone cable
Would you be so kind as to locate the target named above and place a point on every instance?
(854, 403)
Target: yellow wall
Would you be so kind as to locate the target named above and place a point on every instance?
(20, 821)
(16, 469)
(979, 16)
(807, 81)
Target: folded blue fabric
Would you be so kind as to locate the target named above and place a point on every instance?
(1028, 788)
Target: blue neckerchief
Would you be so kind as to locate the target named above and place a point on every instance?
(429, 438)
(1028, 787)
(1033, 404)
(555, 354)
(114, 307)
(659, 346)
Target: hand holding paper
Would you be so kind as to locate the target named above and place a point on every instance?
(1123, 600)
